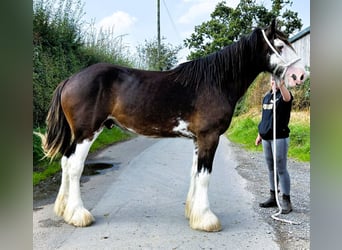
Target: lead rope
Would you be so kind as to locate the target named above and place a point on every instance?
(274, 216)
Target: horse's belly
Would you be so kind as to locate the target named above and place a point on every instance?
(156, 126)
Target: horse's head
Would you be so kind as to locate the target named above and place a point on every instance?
(282, 58)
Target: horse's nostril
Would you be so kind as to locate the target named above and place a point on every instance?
(294, 77)
(302, 77)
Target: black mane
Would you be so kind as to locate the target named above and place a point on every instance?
(228, 64)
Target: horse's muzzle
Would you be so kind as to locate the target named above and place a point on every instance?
(295, 76)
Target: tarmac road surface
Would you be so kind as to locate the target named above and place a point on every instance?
(140, 202)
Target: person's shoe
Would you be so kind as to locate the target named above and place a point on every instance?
(271, 202)
(286, 206)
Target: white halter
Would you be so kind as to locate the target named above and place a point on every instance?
(287, 64)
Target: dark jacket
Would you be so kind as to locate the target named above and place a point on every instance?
(283, 110)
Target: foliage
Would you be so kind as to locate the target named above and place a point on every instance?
(149, 58)
(227, 25)
(38, 154)
(51, 169)
(299, 147)
(104, 46)
(244, 130)
(261, 85)
(110, 136)
(61, 47)
(301, 95)
(56, 45)
(254, 94)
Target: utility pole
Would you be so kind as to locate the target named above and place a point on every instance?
(158, 32)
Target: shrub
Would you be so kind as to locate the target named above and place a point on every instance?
(61, 47)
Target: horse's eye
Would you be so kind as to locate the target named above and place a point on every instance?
(280, 47)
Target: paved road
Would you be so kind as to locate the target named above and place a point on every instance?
(140, 203)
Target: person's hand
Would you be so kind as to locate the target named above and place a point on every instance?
(258, 140)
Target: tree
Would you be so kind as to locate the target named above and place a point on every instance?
(148, 55)
(228, 25)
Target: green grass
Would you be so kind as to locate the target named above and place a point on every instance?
(110, 136)
(299, 142)
(244, 130)
(44, 168)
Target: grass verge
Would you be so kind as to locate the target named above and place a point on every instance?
(244, 129)
(44, 168)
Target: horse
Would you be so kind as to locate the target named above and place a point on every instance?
(195, 100)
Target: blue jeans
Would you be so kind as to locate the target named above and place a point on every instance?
(283, 175)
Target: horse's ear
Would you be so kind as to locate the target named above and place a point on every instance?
(271, 29)
(273, 26)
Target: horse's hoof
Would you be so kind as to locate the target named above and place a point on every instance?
(207, 222)
(80, 217)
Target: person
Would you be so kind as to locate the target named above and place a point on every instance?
(284, 100)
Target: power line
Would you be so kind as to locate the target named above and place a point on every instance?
(171, 20)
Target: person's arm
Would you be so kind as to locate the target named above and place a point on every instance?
(284, 92)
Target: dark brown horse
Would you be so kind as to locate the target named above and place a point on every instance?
(195, 100)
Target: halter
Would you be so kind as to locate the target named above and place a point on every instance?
(287, 64)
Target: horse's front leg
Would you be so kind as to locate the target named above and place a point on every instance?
(201, 217)
(190, 197)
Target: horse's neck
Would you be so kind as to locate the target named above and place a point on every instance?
(239, 78)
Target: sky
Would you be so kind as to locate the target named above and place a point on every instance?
(137, 20)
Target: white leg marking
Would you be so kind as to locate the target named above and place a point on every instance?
(63, 192)
(190, 197)
(74, 212)
(202, 218)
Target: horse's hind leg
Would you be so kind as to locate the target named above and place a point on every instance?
(63, 192)
(201, 217)
(74, 212)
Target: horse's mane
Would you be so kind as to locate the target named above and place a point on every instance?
(214, 68)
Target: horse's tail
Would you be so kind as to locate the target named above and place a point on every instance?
(58, 136)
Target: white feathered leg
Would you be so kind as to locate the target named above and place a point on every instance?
(63, 192)
(190, 196)
(201, 217)
(74, 212)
